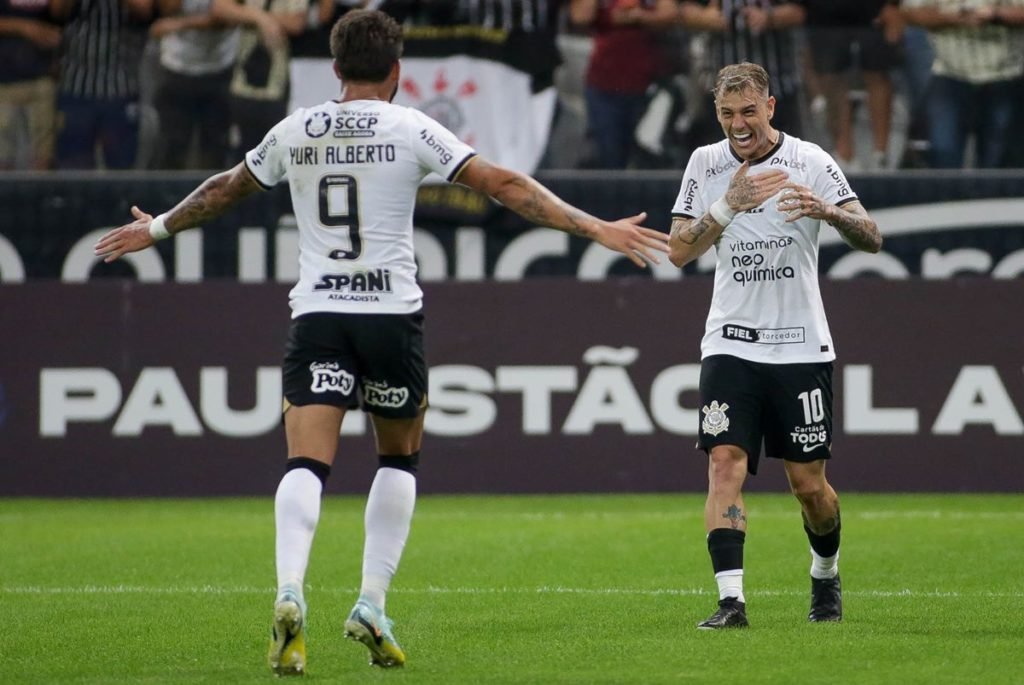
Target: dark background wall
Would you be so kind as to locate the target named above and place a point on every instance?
(542, 385)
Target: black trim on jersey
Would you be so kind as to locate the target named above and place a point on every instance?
(460, 166)
(256, 178)
(775, 148)
(682, 216)
(847, 201)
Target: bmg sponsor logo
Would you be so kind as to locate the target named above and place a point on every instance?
(380, 394)
(330, 377)
(689, 194)
(263, 150)
(835, 175)
(443, 153)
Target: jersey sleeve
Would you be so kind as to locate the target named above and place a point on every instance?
(438, 149)
(266, 162)
(829, 181)
(690, 201)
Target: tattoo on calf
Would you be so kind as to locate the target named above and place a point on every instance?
(735, 516)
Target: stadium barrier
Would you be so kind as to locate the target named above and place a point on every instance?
(936, 225)
(120, 388)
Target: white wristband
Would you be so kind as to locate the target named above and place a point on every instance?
(721, 212)
(157, 230)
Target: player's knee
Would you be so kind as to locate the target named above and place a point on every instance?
(808, 490)
(315, 466)
(402, 462)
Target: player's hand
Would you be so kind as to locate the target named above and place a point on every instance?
(128, 238)
(800, 201)
(633, 240)
(747, 192)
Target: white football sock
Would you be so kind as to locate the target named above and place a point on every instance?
(388, 516)
(296, 513)
(824, 567)
(730, 584)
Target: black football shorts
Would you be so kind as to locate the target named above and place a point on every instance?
(787, 407)
(371, 361)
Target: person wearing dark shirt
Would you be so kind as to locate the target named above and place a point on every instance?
(842, 33)
(28, 50)
(626, 59)
(99, 82)
(758, 31)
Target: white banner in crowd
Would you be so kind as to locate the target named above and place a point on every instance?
(486, 104)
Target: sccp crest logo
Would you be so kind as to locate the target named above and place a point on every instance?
(318, 124)
(715, 421)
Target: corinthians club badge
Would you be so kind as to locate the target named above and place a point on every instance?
(715, 421)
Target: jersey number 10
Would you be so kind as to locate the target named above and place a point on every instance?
(339, 208)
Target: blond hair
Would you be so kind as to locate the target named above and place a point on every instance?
(737, 78)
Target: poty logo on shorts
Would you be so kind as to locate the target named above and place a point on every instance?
(380, 394)
(329, 377)
(715, 421)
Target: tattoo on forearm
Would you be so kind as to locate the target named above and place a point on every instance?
(209, 200)
(735, 516)
(692, 231)
(538, 205)
(860, 232)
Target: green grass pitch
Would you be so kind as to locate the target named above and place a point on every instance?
(548, 589)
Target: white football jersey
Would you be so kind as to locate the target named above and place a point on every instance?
(353, 169)
(766, 305)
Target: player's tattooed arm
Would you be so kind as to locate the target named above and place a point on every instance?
(851, 220)
(212, 198)
(690, 238)
(535, 203)
(526, 197)
(857, 228)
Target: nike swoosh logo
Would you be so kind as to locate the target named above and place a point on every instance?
(808, 448)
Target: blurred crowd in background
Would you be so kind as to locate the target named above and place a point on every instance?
(194, 84)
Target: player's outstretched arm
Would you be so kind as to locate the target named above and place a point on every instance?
(212, 198)
(531, 200)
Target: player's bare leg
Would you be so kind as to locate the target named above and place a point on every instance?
(820, 509)
(725, 520)
(389, 510)
(312, 435)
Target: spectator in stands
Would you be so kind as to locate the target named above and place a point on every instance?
(28, 50)
(976, 76)
(760, 31)
(99, 81)
(917, 73)
(626, 59)
(260, 85)
(868, 33)
(199, 46)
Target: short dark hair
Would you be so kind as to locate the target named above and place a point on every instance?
(737, 78)
(365, 44)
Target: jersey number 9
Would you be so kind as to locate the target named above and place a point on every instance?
(339, 208)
